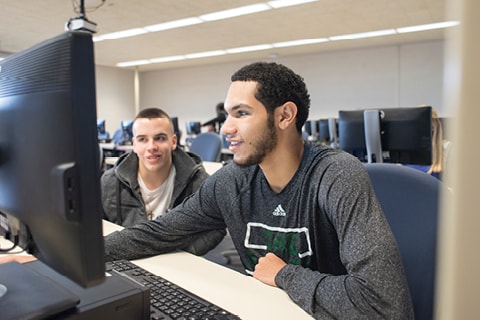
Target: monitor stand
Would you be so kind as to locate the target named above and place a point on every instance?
(29, 295)
(35, 291)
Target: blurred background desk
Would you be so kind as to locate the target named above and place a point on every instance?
(210, 167)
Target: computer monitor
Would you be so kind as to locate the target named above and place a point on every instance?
(127, 133)
(396, 135)
(49, 155)
(102, 133)
(177, 131)
(310, 130)
(193, 127)
(351, 133)
(323, 131)
(101, 126)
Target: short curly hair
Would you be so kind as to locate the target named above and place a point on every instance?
(277, 84)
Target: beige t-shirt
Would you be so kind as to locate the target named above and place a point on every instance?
(157, 201)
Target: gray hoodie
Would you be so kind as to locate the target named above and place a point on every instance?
(121, 197)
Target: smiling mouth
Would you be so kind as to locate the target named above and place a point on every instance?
(233, 144)
(153, 157)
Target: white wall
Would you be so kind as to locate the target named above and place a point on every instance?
(115, 96)
(391, 76)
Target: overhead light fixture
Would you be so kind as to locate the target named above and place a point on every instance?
(430, 26)
(250, 48)
(121, 34)
(235, 12)
(173, 24)
(205, 54)
(293, 43)
(167, 59)
(301, 42)
(133, 63)
(287, 3)
(219, 15)
(363, 35)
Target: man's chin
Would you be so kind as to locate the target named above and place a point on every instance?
(244, 162)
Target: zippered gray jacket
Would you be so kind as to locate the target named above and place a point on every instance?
(121, 196)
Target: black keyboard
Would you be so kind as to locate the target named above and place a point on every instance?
(168, 300)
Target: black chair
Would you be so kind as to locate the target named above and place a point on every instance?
(410, 201)
(208, 146)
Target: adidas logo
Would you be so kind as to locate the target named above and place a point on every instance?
(279, 211)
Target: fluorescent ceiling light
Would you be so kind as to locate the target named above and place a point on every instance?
(363, 35)
(133, 63)
(123, 34)
(235, 12)
(288, 43)
(167, 59)
(173, 24)
(230, 13)
(430, 26)
(301, 42)
(287, 3)
(205, 54)
(250, 48)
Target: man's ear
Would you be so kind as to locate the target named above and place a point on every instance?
(287, 114)
(174, 142)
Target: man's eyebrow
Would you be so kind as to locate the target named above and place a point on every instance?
(155, 135)
(239, 106)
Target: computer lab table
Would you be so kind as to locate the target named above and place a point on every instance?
(238, 293)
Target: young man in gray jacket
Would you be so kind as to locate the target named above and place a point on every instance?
(155, 177)
(303, 218)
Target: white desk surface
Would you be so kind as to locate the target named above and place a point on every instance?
(113, 146)
(240, 294)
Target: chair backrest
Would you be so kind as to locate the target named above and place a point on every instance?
(208, 146)
(410, 201)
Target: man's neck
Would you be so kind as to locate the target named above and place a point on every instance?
(154, 179)
(280, 165)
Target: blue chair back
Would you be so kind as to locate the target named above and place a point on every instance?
(208, 146)
(410, 201)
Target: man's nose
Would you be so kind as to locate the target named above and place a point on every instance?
(227, 127)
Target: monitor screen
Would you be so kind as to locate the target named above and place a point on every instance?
(102, 134)
(127, 133)
(101, 126)
(405, 134)
(307, 127)
(49, 154)
(323, 131)
(193, 127)
(351, 133)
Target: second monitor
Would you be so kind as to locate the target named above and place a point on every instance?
(400, 135)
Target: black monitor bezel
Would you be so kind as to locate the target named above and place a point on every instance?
(49, 173)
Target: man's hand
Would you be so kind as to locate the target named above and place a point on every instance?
(267, 268)
(17, 258)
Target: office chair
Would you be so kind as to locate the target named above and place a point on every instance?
(208, 146)
(410, 201)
